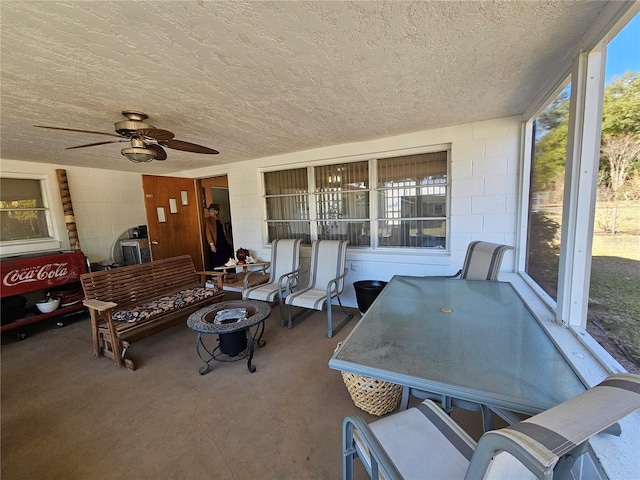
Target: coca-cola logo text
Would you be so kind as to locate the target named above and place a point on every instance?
(37, 273)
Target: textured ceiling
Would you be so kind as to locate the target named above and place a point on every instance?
(254, 79)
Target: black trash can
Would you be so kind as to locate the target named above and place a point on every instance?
(233, 343)
(366, 292)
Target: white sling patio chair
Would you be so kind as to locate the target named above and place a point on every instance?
(482, 261)
(424, 442)
(326, 281)
(285, 260)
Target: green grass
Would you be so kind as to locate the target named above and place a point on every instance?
(614, 295)
(623, 216)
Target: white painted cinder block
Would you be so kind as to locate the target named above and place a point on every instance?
(507, 184)
(490, 166)
(497, 127)
(512, 204)
(460, 241)
(93, 249)
(461, 206)
(499, 223)
(113, 196)
(505, 145)
(467, 187)
(88, 183)
(86, 220)
(106, 204)
(466, 223)
(130, 195)
(488, 204)
(97, 231)
(462, 169)
(91, 208)
(493, 237)
(468, 150)
(510, 239)
(112, 219)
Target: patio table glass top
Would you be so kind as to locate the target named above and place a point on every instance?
(473, 340)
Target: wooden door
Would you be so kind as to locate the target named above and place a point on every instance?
(173, 207)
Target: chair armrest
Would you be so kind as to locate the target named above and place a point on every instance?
(98, 305)
(380, 461)
(335, 281)
(286, 283)
(455, 275)
(534, 441)
(292, 279)
(445, 276)
(490, 444)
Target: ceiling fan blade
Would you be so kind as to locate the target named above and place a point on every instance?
(76, 130)
(160, 153)
(97, 143)
(188, 147)
(155, 133)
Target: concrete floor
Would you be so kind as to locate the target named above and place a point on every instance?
(69, 415)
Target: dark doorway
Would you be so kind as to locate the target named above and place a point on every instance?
(215, 190)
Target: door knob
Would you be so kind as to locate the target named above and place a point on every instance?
(154, 242)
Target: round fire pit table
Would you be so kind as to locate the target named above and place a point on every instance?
(232, 322)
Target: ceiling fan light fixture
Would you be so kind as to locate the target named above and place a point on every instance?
(147, 141)
(139, 154)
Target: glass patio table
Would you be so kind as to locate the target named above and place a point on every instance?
(469, 340)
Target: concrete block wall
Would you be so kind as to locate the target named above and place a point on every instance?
(106, 203)
(484, 196)
(484, 191)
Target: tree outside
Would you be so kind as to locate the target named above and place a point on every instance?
(614, 299)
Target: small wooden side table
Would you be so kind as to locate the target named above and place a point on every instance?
(236, 283)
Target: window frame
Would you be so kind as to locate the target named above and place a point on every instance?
(372, 190)
(528, 135)
(25, 246)
(377, 190)
(319, 197)
(300, 199)
(581, 170)
(565, 319)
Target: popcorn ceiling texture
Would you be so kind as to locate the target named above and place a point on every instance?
(256, 79)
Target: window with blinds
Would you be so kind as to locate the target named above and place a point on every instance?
(342, 202)
(287, 202)
(334, 202)
(23, 214)
(412, 201)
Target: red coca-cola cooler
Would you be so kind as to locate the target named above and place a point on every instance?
(29, 278)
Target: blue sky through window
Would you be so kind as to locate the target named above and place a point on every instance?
(623, 53)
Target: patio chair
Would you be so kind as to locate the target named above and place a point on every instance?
(482, 261)
(424, 442)
(285, 260)
(326, 282)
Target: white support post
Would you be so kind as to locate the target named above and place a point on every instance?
(583, 155)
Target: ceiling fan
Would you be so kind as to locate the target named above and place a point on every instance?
(146, 141)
